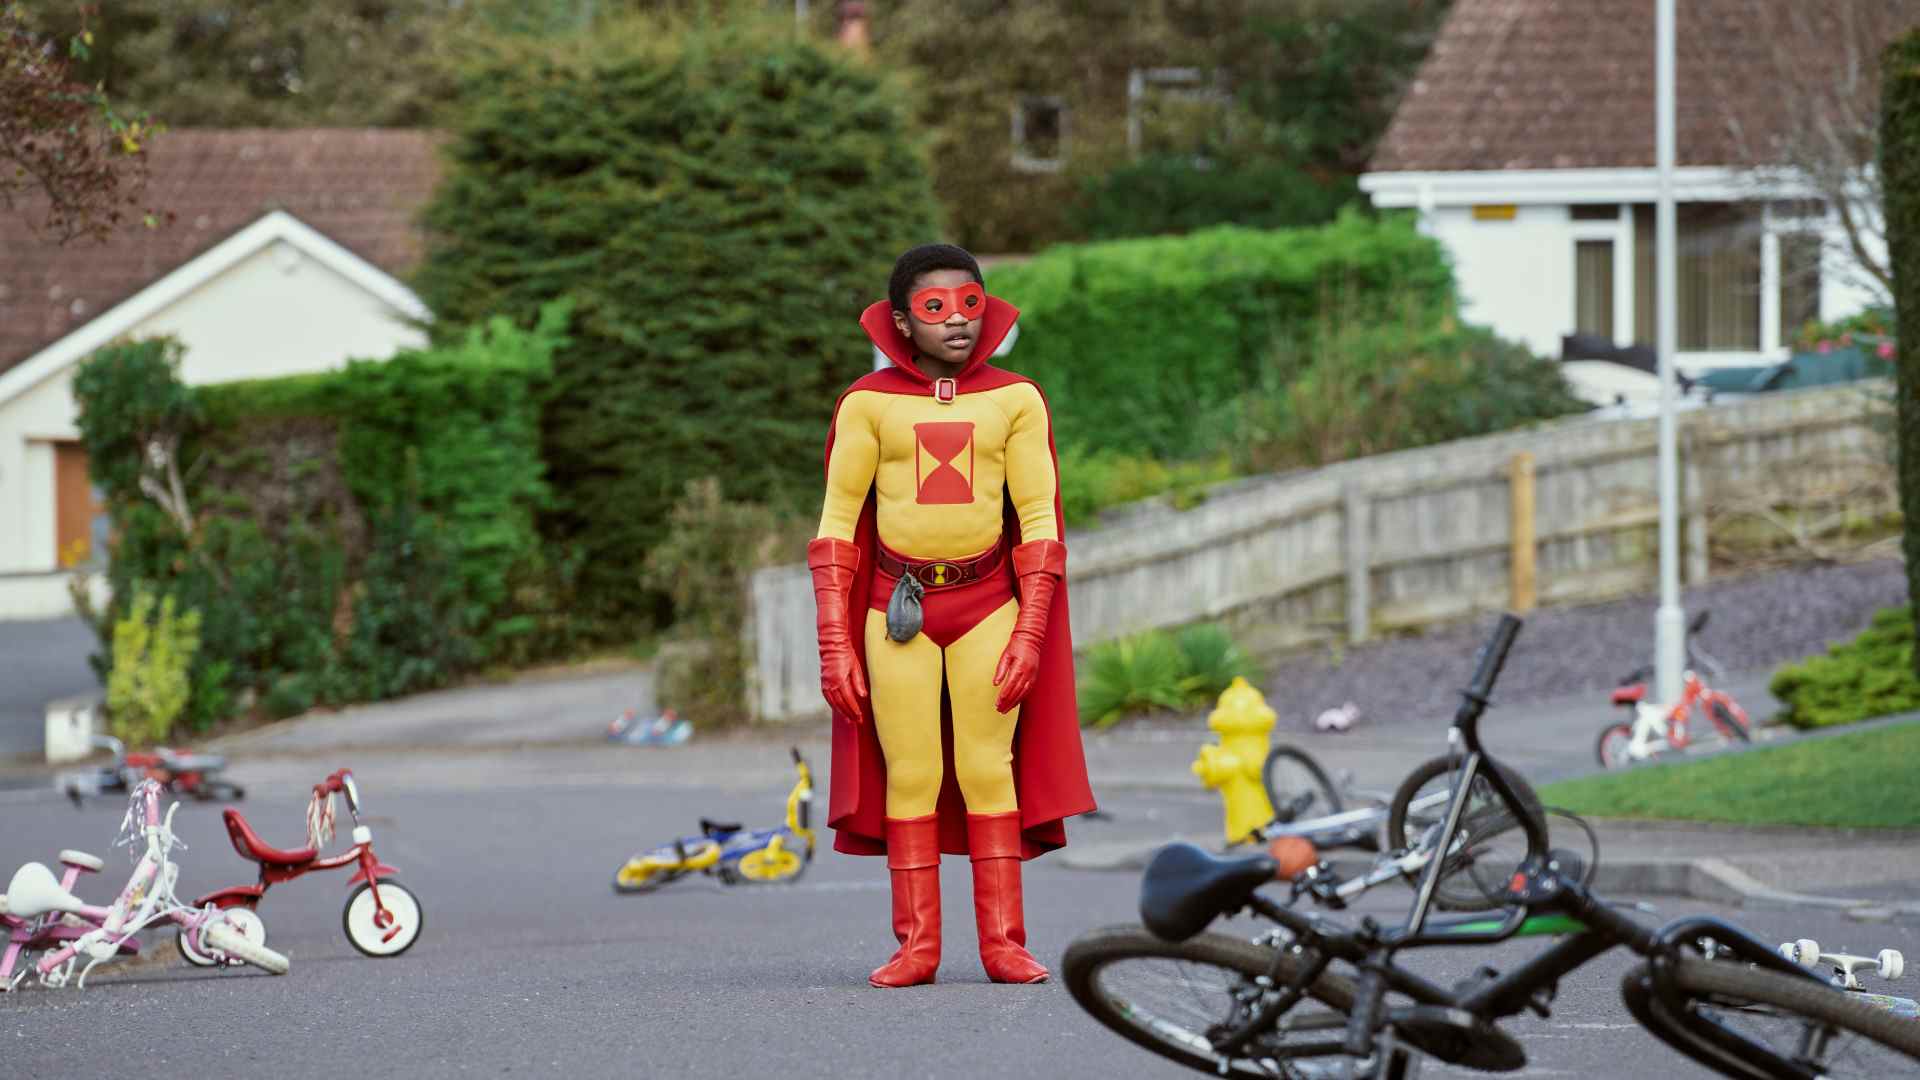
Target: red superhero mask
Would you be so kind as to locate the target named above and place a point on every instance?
(936, 305)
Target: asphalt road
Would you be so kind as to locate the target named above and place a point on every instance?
(530, 964)
(40, 661)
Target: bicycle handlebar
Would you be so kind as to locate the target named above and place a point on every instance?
(1493, 657)
(1477, 766)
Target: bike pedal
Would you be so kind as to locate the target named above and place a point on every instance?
(1542, 1000)
(1483, 975)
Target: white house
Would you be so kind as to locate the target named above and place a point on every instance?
(1526, 144)
(281, 260)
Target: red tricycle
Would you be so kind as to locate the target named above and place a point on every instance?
(382, 917)
(182, 772)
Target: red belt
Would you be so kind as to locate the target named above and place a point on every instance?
(941, 573)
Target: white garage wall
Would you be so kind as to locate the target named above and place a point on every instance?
(1514, 276)
(278, 312)
(282, 301)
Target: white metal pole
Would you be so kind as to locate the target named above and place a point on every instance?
(1670, 623)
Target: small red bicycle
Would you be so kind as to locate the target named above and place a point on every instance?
(1656, 729)
(382, 917)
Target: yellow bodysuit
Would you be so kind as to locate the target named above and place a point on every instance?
(940, 473)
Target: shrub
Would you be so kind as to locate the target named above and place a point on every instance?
(1870, 676)
(134, 399)
(1133, 674)
(1212, 660)
(704, 566)
(1138, 342)
(345, 536)
(1094, 480)
(722, 201)
(1872, 328)
(1158, 670)
(1171, 194)
(153, 648)
(1353, 386)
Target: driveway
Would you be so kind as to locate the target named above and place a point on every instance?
(40, 661)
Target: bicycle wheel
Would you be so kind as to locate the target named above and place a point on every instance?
(1175, 998)
(360, 919)
(1297, 786)
(1730, 726)
(223, 938)
(1479, 881)
(1613, 744)
(1833, 1033)
(1480, 858)
(246, 920)
(769, 865)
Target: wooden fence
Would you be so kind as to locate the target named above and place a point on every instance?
(1560, 513)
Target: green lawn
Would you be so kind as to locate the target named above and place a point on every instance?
(1867, 778)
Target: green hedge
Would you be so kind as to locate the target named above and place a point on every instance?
(1900, 175)
(1161, 195)
(354, 535)
(1365, 382)
(1870, 676)
(1139, 342)
(722, 202)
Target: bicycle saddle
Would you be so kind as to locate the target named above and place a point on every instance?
(1185, 889)
(716, 828)
(251, 847)
(34, 891)
(1630, 695)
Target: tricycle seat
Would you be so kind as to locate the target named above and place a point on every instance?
(1185, 888)
(251, 847)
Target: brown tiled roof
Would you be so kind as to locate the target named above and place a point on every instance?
(1560, 84)
(364, 189)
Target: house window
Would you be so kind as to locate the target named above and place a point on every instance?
(1040, 134)
(1593, 288)
(1721, 268)
(1799, 283)
(1179, 111)
(1718, 268)
(1719, 271)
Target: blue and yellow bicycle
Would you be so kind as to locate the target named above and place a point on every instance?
(729, 852)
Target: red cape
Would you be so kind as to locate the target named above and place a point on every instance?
(1049, 765)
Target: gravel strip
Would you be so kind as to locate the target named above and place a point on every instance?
(1759, 620)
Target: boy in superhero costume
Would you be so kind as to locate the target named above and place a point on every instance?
(939, 575)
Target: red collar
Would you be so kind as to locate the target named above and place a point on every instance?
(877, 321)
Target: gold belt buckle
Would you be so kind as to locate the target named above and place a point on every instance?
(938, 574)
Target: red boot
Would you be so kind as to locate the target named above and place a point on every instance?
(913, 859)
(994, 841)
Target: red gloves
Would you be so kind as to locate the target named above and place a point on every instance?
(834, 562)
(1039, 564)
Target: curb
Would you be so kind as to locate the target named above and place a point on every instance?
(1711, 879)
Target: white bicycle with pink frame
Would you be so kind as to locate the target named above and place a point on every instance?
(222, 937)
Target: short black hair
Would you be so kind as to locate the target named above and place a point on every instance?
(924, 259)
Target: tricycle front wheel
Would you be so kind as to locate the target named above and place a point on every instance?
(373, 935)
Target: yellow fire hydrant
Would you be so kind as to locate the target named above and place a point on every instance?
(1243, 721)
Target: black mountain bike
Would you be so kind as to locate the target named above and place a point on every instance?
(1272, 1008)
